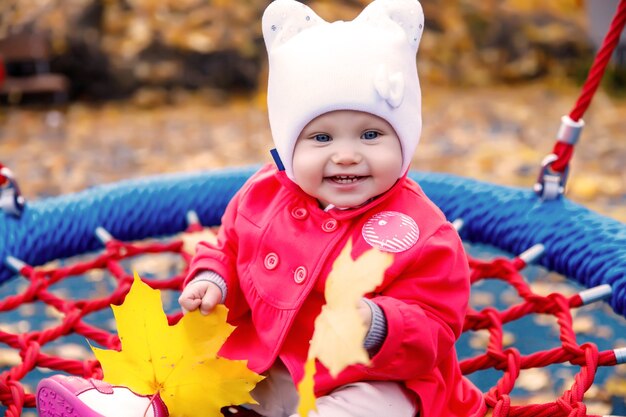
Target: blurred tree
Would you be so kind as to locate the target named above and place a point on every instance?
(113, 47)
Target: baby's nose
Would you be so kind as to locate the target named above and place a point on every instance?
(346, 156)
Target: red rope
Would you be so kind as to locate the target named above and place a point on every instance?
(29, 344)
(3, 75)
(510, 361)
(2, 177)
(563, 150)
(599, 65)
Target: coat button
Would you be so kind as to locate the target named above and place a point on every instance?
(299, 213)
(329, 225)
(271, 261)
(299, 275)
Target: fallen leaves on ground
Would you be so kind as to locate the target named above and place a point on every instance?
(191, 240)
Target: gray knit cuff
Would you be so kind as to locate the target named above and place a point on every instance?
(215, 278)
(378, 329)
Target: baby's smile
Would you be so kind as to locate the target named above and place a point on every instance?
(345, 179)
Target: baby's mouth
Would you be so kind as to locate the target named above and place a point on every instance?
(345, 179)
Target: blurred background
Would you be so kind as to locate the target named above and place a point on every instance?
(97, 91)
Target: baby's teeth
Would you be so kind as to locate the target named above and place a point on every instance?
(345, 179)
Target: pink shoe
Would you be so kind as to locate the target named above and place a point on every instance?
(70, 396)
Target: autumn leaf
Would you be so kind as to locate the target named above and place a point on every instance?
(178, 362)
(339, 332)
(306, 389)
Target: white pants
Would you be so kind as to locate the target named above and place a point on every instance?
(277, 397)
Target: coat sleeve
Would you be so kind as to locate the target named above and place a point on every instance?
(425, 307)
(222, 259)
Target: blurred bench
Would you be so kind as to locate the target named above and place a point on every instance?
(26, 59)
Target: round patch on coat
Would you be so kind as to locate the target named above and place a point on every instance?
(391, 231)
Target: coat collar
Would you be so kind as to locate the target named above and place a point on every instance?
(339, 214)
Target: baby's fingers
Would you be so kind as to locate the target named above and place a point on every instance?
(209, 301)
(189, 304)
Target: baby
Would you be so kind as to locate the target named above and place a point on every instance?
(344, 107)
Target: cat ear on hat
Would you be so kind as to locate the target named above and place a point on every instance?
(283, 19)
(407, 14)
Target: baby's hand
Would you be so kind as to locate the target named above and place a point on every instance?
(200, 294)
(366, 313)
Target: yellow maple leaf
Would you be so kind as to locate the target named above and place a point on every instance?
(339, 332)
(178, 362)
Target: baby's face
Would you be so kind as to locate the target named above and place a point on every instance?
(346, 157)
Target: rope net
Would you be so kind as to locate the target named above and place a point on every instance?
(75, 319)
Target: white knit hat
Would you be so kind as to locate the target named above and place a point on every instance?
(367, 64)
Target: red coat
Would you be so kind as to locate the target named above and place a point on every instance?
(275, 249)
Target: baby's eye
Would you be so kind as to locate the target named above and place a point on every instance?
(370, 134)
(322, 137)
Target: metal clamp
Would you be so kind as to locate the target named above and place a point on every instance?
(620, 355)
(550, 184)
(569, 132)
(532, 254)
(591, 295)
(103, 235)
(192, 218)
(11, 200)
